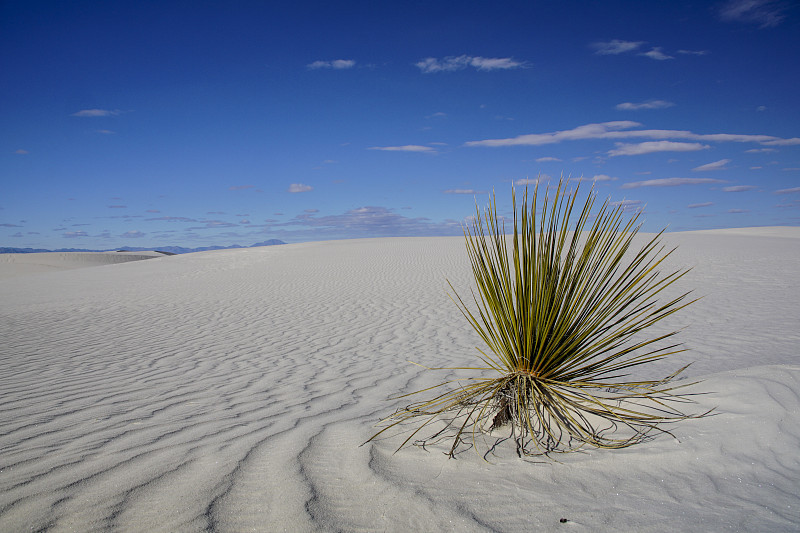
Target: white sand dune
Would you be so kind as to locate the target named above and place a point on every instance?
(14, 265)
(230, 391)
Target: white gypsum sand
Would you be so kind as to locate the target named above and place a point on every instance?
(15, 265)
(230, 391)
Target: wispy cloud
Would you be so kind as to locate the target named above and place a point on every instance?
(765, 13)
(21, 152)
(406, 148)
(96, 113)
(133, 234)
(650, 104)
(172, 219)
(788, 191)
(74, 234)
(299, 187)
(241, 187)
(547, 159)
(716, 165)
(739, 188)
(463, 191)
(599, 177)
(760, 150)
(622, 129)
(453, 63)
(650, 147)
(657, 54)
(336, 64)
(669, 182)
(588, 131)
(628, 205)
(531, 181)
(703, 204)
(693, 52)
(615, 47)
(213, 224)
(118, 207)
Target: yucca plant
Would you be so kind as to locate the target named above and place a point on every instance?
(562, 314)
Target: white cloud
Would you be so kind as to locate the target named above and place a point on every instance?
(463, 191)
(615, 47)
(739, 188)
(172, 219)
(546, 159)
(588, 131)
(788, 191)
(406, 148)
(650, 147)
(760, 150)
(669, 182)
(628, 205)
(528, 181)
(299, 187)
(73, 234)
(657, 54)
(781, 142)
(621, 129)
(602, 177)
(96, 113)
(337, 64)
(693, 52)
(765, 13)
(453, 63)
(134, 234)
(704, 204)
(213, 224)
(650, 104)
(716, 165)
(494, 63)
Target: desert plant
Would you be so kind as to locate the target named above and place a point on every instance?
(561, 313)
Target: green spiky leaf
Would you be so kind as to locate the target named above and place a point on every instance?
(564, 314)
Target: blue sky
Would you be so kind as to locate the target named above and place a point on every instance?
(213, 123)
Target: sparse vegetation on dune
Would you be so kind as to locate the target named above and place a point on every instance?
(564, 314)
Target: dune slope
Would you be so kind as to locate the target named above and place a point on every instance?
(15, 265)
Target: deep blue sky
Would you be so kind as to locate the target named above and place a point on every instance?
(202, 123)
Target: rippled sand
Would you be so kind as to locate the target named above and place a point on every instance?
(230, 391)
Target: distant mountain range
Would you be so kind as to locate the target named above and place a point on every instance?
(165, 249)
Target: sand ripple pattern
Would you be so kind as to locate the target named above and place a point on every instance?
(230, 390)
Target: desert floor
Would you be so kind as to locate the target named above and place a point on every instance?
(232, 390)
